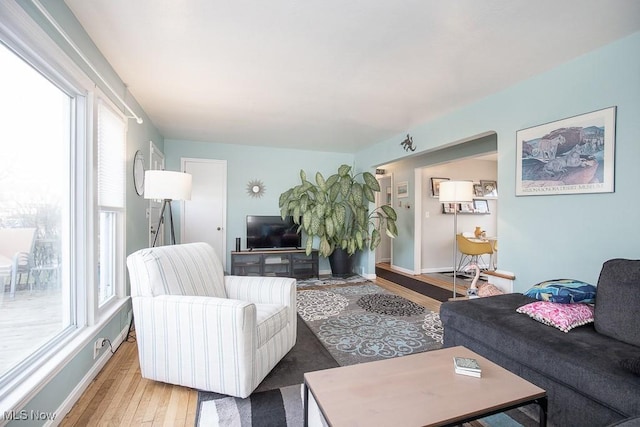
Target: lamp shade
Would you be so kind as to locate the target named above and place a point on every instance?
(456, 191)
(167, 185)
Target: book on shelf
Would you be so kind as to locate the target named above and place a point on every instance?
(467, 366)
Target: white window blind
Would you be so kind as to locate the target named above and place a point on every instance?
(111, 163)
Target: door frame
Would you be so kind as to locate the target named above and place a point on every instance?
(380, 198)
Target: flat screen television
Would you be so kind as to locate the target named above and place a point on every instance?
(272, 232)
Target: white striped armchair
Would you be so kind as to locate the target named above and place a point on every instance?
(198, 328)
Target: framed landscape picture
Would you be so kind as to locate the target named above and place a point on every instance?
(402, 189)
(570, 156)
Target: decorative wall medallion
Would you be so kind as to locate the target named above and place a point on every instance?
(255, 188)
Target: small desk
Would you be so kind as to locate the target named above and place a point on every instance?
(421, 389)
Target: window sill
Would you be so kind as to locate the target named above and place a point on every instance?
(22, 389)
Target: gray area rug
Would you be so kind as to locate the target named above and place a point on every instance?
(283, 407)
(361, 322)
(346, 321)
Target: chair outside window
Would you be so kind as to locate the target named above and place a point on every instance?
(472, 250)
(16, 248)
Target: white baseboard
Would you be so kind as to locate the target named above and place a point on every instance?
(402, 270)
(82, 386)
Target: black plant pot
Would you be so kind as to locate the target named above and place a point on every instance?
(341, 263)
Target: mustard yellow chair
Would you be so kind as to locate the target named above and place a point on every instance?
(472, 249)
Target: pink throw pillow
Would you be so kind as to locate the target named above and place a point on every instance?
(562, 316)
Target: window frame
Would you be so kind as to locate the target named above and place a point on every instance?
(120, 218)
(22, 35)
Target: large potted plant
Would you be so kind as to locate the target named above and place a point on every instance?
(336, 211)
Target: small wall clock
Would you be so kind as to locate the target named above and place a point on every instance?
(138, 172)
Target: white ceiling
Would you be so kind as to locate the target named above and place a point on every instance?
(333, 75)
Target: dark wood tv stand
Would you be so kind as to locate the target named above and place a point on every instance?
(277, 262)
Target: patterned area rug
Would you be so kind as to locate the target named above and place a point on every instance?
(358, 321)
(283, 407)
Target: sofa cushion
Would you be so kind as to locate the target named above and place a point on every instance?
(618, 300)
(564, 291)
(271, 319)
(631, 364)
(562, 316)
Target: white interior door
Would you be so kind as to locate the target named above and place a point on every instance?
(156, 162)
(203, 217)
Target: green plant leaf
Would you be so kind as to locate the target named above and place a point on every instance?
(340, 215)
(306, 221)
(351, 246)
(343, 170)
(284, 196)
(303, 175)
(356, 191)
(392, 230)
(375, 239)
(325, 247)
(309, 247)
(368, 194)
(315, 224)
(371, 181)
(332, 180)
(320, 181)
(328, 225)
(345, 186)
(389, 212)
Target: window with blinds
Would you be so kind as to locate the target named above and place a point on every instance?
(111, 139)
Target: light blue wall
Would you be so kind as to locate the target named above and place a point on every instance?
(278, 169)
(546, 237)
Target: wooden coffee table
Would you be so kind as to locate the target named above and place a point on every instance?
(417, 390)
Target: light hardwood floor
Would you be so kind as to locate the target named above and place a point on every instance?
(119, 396)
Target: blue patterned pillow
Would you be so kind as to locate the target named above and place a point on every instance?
(564, 291)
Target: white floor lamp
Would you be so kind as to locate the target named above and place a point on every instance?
(166, 186)
(455, 192)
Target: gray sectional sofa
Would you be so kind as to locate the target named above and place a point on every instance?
(586, 371)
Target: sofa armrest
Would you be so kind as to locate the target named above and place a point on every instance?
(200, 342)
(262, 290)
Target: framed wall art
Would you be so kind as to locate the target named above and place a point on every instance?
(481, 206)
(402, 189)
(435, 186)
(477, 190)
(489, 188)
(569, 156)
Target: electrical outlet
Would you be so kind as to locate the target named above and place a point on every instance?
(97, 346)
